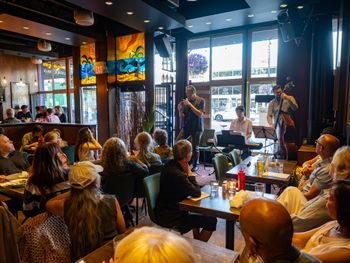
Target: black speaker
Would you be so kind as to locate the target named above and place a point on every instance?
(163, 46)
(290, 24)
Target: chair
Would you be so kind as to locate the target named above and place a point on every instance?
(234, 155)
(221, 166)
(151, 184)
(204, 146)
(69, 151)
(122, 186)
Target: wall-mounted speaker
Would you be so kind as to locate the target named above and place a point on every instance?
(291, 24)
(163, 45)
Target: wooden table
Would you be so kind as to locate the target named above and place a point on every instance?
(209, 253)
(12, 192)
(217, 206)
(252, 173)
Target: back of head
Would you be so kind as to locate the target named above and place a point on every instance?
(268, 224)
(114, 155)
(160, 136)
(341, 161)
(37, 128)
(143, 141)
(51, 137)
(341, 190)
(181, 149)
(154, 245)
(10, 113)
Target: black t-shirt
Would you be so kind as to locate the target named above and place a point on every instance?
(193, 123)
(63, 118)
(15, 163)
(20, 115)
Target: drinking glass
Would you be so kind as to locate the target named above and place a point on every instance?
(279, 166)
(259, 189)
(260, 166)
(214, 186)
(232, 184)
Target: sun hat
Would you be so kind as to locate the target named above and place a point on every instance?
(83, 174)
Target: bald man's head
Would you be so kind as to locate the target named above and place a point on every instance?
(267, 228)
(326, 145)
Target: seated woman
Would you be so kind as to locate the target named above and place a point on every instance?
(154, 245)
(115, 159)
(163, 150)
(176, 184)
(54, 137)
(92, 218)
(85, 146)
(331, 241)
(46, 180)
(143, 144)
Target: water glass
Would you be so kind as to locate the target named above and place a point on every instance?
(232, 184)
(214, 186)
(259, 189)
(224, 186)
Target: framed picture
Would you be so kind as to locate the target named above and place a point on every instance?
(19, 95)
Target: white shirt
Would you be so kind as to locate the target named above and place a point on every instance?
(244, 126)
(53, 118)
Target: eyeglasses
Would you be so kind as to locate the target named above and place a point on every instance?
(317, 142)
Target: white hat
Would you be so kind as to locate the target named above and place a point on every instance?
(83, 174)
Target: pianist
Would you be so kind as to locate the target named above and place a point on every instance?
(242, 124)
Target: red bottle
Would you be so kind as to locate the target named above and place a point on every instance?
(241, 180)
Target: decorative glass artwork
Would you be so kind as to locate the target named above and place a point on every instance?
(131, 58)
(87, 61)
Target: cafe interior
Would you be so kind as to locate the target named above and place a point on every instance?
(112, 82)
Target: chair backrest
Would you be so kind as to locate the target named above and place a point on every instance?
(152, 184)
(235, 157)
(206, 135)
(120, 185)
(69, 151)
(221, 166)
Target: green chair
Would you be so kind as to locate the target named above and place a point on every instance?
(69, 151)
(221, 166)
(234, 155)
(204, 146)
(152, 184)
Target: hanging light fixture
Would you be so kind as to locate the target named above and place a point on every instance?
(20, 81)
(35, 83)
(44, 45)
(4, 80)
(83, 17)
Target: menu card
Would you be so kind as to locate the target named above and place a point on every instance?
(203, 195)
(278, 175)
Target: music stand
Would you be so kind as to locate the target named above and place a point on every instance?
(265, 132)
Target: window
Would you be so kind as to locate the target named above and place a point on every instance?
(227, 57)
(89, 104)
(199, 59)
(258, 110)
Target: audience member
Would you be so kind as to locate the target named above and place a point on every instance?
(163, 150)
(11, 161)
(177, 183)
(40, 113)
(92, 218)
(54, 137)
(46, 180)
(24, 114)
(242, 124)
(292, 198)
(268, 230)
(314, 213)
(10, 117)
(154, 245)
(86, 145)
(143, 144)
(331, 241)
(115, 159)
(60, 114)
(51, 117)
(31, 140)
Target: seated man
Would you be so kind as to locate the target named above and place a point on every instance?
(292, 198)
(242, 124)
(176, 184)
(11, 161)
(31, 139)
(24, 114)
(268, 231)
(10, 117)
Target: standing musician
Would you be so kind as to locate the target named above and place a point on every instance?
(191, 112)
(279, 113)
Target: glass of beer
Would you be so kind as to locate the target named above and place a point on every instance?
(260, 167)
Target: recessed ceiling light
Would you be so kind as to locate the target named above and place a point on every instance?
(83, 43)
(190, 26)
(273, 11)
(283, 5)
(67, 38)
(48, 33)
(109, 2)
(228, 19)
(130, 13)
(160, 28)
(300, 6)
(25, 27)
(208, 23)
(1, 21)
(146, 21)
(251, 15)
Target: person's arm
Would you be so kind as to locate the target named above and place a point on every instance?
(300, 239)
(94, 145)
(249, 129)
(292, 102)
(312, 193)
(56, 205)
(333, 255)
(120, 218)
(232, 125)
(180, 108)
(198, 112)
(269, 114)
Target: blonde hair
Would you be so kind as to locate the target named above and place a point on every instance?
(51, 136)
(114, 155)
(341, 160)
(154, 245)
(143, 141)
